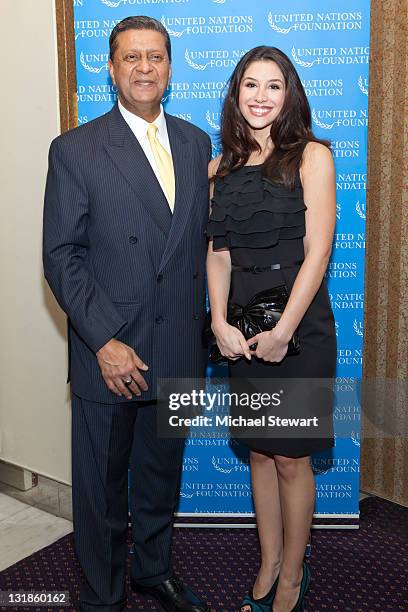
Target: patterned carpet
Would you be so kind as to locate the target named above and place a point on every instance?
(352, 571)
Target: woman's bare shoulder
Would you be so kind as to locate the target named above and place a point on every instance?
(316, 159)
(315, 153)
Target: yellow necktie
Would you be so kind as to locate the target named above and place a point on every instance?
(164, 164)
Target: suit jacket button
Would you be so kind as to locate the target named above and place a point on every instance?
(133, 239)
(160, 278)
(196, 316)
(159, 320)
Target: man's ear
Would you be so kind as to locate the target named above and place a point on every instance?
(111, 71)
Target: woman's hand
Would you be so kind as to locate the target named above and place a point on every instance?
(230, 341)
(271, 346)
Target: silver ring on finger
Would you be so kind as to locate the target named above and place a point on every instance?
(128, 382)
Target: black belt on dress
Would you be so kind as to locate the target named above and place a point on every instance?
(259, 269)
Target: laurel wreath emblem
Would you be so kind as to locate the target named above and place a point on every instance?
(361, 86)
(172, 32)
(187, 495)
(326, 126)
(320, 471)
(355, 438)
(91, 68)
(357, 329)
(211, 123)
(219, 1)
(192, 64)
(360, 211)
(301, 62)
(112, 4)
(219, 468)
(276, 27)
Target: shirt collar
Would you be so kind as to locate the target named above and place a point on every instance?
(139, 125)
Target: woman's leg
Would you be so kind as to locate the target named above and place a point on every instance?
(297, 499)
(269, 521)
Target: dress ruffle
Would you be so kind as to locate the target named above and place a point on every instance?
(249, 210)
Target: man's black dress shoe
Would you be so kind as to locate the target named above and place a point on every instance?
(173, 596)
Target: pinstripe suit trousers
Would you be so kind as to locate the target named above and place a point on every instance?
(105, 439)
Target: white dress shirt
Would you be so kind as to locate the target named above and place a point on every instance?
(139, 128)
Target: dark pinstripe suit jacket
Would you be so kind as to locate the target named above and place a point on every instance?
(118, 262)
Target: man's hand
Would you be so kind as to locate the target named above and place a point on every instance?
(119, 364)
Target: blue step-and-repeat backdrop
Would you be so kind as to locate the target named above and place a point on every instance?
(328, 42)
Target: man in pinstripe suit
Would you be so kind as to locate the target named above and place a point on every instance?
(125, 261)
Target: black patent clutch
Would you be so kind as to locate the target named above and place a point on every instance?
(261, 314)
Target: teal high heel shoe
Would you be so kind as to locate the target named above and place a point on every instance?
(304, 585)
(263, 604)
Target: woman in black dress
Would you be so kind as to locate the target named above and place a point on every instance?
(274, 203)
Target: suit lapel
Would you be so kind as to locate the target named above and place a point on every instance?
(127, 154)
(183, 162)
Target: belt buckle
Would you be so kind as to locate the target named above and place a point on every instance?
(255, 269)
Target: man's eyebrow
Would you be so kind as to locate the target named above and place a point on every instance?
(148, 50)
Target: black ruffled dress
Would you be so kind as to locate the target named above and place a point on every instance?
(263, 223)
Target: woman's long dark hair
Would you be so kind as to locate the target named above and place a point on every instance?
(291, 130)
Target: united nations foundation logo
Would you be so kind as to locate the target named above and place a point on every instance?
(320, 467)
(213, 58)
(358, 327)
(307, 57)
(190, 464)
(220, 489)
(347, 301)
(345, 118)
(323, 88)
(349, 241)
(334, 491)
(350, 357)
(85, 28)
(355, 438)
(212, 24)
(351, 181)
(345, 148)
(361, 210)
(342, 269)
(196, 90)
(226, 465)
(186, 495)
(213, 120)
(90, 62)
(117, 3)
(283, 23)
(100, 93)
(338, 211)
(363, 85)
